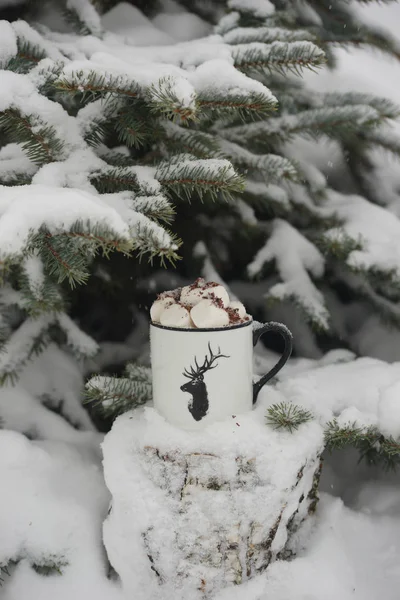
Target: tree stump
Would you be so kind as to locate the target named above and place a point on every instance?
(192, 513)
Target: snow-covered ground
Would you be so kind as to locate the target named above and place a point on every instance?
(54, 500)
(351, 553)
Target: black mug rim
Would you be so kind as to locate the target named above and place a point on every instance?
(202, 329)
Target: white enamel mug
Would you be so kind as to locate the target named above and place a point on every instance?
(205, 375)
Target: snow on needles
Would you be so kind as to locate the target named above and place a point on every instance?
(25, 209)
(8, 42)
(136, 73)
(61, 523)
(32, 266)
(14, 162)
(87, 13)
(30, 35)
(294, 256)
(19, 92)
(231, 82)
(260, 8)
(363, 391)
(375, 228)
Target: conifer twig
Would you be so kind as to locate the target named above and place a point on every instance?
(112, 396)
(286, 415)
(28, 55)
(373, 446)
(40, 143)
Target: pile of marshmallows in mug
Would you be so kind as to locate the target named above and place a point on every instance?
(198, 306)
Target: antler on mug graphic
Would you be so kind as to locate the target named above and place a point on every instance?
(198, 405)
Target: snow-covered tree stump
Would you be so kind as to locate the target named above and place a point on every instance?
(194, 512)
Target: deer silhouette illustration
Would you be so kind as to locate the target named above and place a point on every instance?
(198, 405)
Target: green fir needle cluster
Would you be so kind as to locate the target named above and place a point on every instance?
(287, 416)
(112, 396)
(374, 448)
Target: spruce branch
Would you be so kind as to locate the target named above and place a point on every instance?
(47, 76)
(152, 240)
(91, 86)
(293, 97)
(113, 396)
(156, 208)
(242, 105)
(39, 297)
(281, 57)
(286, 415)
(98, 131)
(192, 141)
(212, 177)
(160, 98)
(283, 19)
(269, 199)
(72, 17)
(315, 313)
(5, 570)
(139, 373)
(273, 167)
(67, 333)
(13, 179)
(96, 238)
(374, 447)
(339, 122)
(83, 17)
(164, 100)
(135, 125)
(339, 246)
(386, 108)
(29, 340)
(39, 141)
(51, 565)
(61, 258)
(66, 255)
(115, 180)
(267, 35)
(116, 158)
(96, 121)
(360, 35)
(28, 56)
(368, 284)
(385, 139)
(386, 283)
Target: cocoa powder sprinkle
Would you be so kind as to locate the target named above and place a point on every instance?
(233, 314)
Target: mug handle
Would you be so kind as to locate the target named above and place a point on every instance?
(288, 339)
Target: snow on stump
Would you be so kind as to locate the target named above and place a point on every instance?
(194, 512)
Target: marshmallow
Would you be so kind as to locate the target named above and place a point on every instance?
(175, 315)
(217, 291)
(158, 306)
(207, 315)
(200, 305)
(190, 295)
(236, 305)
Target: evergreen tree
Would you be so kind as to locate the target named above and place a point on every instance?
(110, 152)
